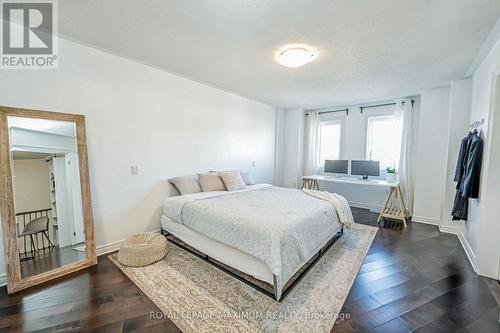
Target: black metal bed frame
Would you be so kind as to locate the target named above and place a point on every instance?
(274, 295)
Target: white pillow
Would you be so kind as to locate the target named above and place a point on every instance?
(211, 182)
(186, 184)
(232, 180)
(247, 178)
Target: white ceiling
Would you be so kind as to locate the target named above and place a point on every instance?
(369, 50)
(64, 128)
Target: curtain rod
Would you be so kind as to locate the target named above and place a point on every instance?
(477, 123)
(385, 104)
(346, 110)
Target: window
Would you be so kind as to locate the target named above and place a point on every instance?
(330, 138)
(384, 140)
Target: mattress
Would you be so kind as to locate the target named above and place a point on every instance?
(228, 255)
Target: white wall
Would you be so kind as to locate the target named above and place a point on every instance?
(31, 185)
(431, 158)
(279, 161)
(481, 232)
(354, 126)
(458, 127)
(488, 241)
(135, 114)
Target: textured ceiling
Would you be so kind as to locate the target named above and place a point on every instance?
(369, 50)
(64, 128)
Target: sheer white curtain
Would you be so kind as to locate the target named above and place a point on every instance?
(312, 143)
(403, 113)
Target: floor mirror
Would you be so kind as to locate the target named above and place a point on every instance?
(45, 206)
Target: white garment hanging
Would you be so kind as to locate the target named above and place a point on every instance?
(312, 143)
(403, 112)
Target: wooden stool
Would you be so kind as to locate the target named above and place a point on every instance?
(394, 213)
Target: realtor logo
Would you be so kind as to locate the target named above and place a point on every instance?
(29, 38)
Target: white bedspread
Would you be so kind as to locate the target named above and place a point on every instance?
(282, 227)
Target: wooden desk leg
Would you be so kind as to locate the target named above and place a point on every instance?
(401, 204)
(394, 213)
(385, 205)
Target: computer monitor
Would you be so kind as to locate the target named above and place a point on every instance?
(336, 166)
(365, 168)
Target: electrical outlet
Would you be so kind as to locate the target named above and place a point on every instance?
(134, 170)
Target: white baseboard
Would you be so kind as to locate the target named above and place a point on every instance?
(114, 246)
(468, 250)
(437, 222)
(107, 248)
(425, 220)
(448, 229)
(451, 230)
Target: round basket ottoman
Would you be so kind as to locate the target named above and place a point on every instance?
(142, 249)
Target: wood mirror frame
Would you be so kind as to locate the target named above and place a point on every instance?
(12, 261)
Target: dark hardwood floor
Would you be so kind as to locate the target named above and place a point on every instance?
(418, 279)
(413, 279)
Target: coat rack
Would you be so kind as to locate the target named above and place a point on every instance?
(477, 123)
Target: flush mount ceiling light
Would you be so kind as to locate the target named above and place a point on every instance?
(296, 55)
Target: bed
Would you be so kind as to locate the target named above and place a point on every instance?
(264, 231)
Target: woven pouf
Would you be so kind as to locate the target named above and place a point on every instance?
(142, 249)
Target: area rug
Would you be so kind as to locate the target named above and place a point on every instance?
(198, 297)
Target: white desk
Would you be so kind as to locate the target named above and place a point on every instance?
(348, 180)
(399, 213)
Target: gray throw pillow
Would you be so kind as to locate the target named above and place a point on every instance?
(247, 178)
(232, 180)
(186, 184)
(211, 182)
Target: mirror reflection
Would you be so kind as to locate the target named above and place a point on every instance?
(47, 194)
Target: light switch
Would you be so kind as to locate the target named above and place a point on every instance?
(253, 164)
(134, 170)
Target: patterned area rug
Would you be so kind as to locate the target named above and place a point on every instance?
(198, 297)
